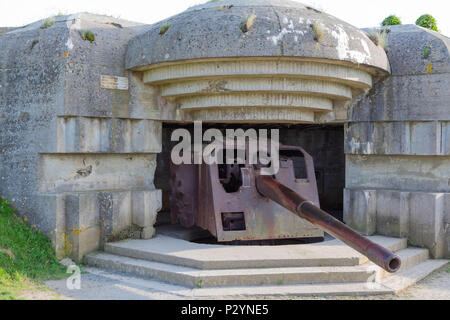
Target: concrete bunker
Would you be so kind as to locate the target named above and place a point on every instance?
(83, 123)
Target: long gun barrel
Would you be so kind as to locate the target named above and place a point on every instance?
(305, 209)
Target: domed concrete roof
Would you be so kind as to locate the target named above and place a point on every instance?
(253, 28)
(416, 50)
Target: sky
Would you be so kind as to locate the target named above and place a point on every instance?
(360, 13)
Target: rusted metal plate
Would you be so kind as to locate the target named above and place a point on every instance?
(231, 208)
(184, 194)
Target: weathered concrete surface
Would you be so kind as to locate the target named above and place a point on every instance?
(55, 120)
(107, 285)
(79, 159)
(58, 173)
(108, 135)
(226, 278)
(202, 265)
(406, 46)
(419, 216)
(360, 210)
(405, 98)
(417, 90)
(424, 138)
(237, 273)
(250, 90)
(397, 144)
(290, 64)
(409, 173)
(281, 28)
(169, 250)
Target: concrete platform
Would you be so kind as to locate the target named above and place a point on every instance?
(179, 252)
(203, 270)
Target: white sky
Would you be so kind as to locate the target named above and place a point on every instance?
(361, 13)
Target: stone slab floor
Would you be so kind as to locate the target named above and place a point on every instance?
(104, 285)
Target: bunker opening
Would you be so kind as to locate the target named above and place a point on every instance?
(219, 204)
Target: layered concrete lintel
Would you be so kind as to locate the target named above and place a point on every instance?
(253, 90)
(419, 216)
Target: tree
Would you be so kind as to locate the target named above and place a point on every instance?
(391, 21)
(427, 21)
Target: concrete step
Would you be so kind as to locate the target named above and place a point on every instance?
(153, 289)
(410, 276)
(230, 277)
(392, 284)
(169, 250)
(299, 290)
(410, 258)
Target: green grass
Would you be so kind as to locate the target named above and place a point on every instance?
(164, 28)
(427, 51)
(48, 23)
(87, 35)
(199, 284)
(26, 255)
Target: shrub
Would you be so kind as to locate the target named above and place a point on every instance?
(164, 28)
(427, 21)
(247, 23)
(391, 21)
(378, 37)
(318, 31)
(87, 35)
(48, 23)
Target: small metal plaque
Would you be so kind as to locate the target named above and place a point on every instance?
(111, 82)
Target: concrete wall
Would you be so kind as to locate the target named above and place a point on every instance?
(78, 157)
(397, 145)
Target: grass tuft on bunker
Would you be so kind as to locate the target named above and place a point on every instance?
(27, 258)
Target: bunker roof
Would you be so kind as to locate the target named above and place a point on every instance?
(254, 28)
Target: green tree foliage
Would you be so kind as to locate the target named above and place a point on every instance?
(391, 21)
(427, 21)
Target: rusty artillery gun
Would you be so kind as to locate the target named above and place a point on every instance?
(234, 202)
